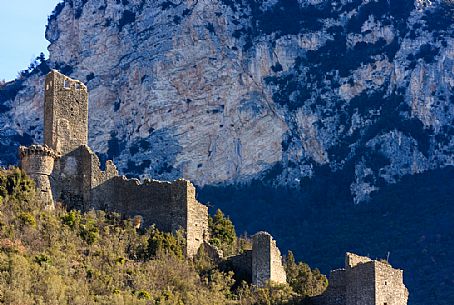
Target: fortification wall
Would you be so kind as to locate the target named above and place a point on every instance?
(65, 113)
(389, 285)
(364, 282)
(99, 185)
(159, 203)
(71, 175)
(241, 265)
(335, 294)
(197, 220)
(266, 260)
(168, 205)
(361, 284)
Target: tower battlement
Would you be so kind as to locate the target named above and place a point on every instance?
(38, 162)
(38, 159)
(42, 150)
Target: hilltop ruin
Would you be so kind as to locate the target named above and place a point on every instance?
(66, 170)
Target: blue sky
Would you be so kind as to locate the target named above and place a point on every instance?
(22, 26)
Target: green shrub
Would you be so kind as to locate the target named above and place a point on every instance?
(16, 185)
(222, 232)
(43, 259)
(71, 219)
(27, 219)
(271, 294)
(143, 294)
(305, 281)
(89, 233)
(165, 243)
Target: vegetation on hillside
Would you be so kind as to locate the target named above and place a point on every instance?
(68, 257)
(222, 233)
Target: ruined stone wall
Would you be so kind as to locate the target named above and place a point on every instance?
(389, 285)
(98, 180)
(241, 265)
(71, 176)
(335, 294)
(197, 220)
(361, 284)
(157, 202)
(65, 113)
(168, 205)
(364, 282)
(266, 260)
(352, 260)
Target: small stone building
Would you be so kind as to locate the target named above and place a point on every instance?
(364, 282)
(65, 169)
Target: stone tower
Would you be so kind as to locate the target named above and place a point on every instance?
(373, 282)
(266, 260)
(38, 162)
(364, 282)
(65, 113)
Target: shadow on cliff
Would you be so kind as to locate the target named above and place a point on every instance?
(411, 221)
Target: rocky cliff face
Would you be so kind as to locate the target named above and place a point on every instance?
(234, 90)
(339, 100)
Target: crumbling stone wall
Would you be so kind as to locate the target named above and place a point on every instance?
(168, 205)
(389, 285)
(336, 292)
(213, 252)
(364, 282)
(65, 113)
(260, 265)
(266, 260)
(241, 265)
(360, 283)
(352, 260)
(197, 219)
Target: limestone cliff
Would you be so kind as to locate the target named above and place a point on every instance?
(233, 90)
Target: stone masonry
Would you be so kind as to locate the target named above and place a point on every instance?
(260, 265)
(266, 260)
(65, 169)
(364, 282)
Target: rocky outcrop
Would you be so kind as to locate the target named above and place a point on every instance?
(234, 90)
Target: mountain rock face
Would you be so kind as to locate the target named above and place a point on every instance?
(230, 90)
(354, 94)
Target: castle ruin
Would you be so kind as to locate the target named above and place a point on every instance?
(65, 169)
(364, 282)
